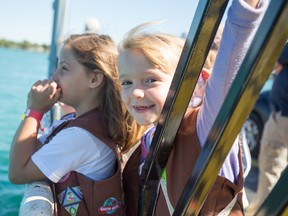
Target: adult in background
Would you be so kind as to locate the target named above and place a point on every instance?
(274, 144)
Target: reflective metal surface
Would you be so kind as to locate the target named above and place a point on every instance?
(200, 37)
(260, 59)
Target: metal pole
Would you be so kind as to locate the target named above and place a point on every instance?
(200, 37)
(59, 20)
(60, 15)
(254, 71)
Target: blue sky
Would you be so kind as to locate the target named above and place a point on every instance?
(32, 20)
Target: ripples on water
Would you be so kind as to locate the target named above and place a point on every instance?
(19, 70)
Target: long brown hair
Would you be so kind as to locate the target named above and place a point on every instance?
(99, 53)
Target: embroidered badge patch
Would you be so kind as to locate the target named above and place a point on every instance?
(72, 209)
(70, 199)
(109, 206)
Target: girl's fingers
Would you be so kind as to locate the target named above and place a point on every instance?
(40, 85)
(46, 86)
(52, 87)
(43, 95)
(57, 94)
(36, 84)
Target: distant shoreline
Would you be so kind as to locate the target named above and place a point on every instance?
(24, 45)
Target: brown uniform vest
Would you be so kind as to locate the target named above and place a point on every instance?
(81, 195)
(186, 149)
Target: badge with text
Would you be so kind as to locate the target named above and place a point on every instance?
(109, 206)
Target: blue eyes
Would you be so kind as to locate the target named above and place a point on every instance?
(150, 80)
(126, 82)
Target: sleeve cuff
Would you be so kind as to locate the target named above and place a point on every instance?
(242, 14)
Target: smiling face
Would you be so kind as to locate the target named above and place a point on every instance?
(71, 78)
(144, 87)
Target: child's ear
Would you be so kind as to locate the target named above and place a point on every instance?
(96, 79)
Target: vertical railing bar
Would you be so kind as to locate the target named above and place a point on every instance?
(200, 37)
(261, 56)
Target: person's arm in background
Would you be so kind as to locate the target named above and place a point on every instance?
(240, 27)
(282, 60)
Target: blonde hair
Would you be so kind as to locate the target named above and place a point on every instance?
(99, 53)
(211, 57)
(162, 50)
